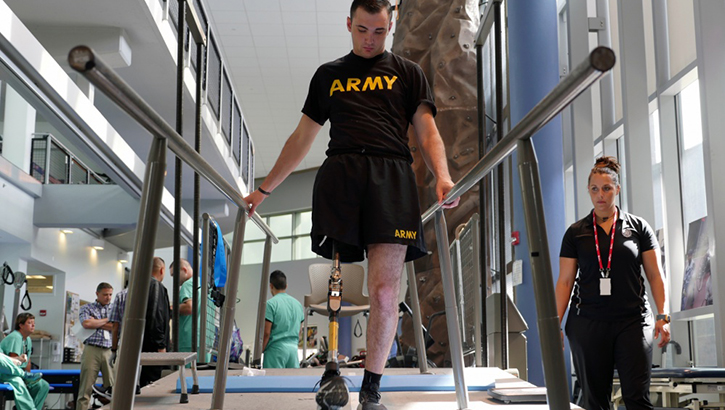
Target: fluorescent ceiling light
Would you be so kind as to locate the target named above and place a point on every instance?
(67, 231)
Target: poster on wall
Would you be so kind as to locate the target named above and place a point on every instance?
(73, 345)
(311, 337)
(696, 281)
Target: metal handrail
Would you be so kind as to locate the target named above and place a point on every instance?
(85, 61)
(600, 60)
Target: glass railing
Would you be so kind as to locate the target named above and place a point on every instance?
(217, 88)
(53, 163)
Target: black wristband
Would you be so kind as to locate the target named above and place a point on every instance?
(265, 193)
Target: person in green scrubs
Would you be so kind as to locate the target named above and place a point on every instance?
(186, 298)
(283, 319)
(30, 390)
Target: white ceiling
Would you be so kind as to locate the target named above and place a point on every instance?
(272, 49)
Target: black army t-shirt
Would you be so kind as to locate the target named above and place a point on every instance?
(369, 102)
(633, 236)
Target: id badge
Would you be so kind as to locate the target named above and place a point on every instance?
(605, 286)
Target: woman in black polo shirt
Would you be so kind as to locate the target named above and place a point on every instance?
(611, 324)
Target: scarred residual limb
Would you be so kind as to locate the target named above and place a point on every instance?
(334, 304)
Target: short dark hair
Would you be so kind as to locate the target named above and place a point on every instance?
(22, 318)
(278, 280)
(371, 6)
(103, 285)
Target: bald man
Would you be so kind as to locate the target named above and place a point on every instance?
(186, 299)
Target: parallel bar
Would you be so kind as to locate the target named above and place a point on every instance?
(548, 319)
(225, 334)
(454, 330)
(134, 319)
(262, 307)
(85, 61)
(600, 60)
(417, 319)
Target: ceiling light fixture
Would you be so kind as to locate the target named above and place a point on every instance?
(67, 231)
(123, 257)
(98, 244)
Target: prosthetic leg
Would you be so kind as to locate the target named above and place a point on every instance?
(333, 393)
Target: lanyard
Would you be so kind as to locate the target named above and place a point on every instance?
(605, 273)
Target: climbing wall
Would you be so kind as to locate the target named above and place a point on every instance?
(439, 36)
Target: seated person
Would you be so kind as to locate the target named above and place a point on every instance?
(30, 389)
(283, 318)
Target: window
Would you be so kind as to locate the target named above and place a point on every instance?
(654, 126)
(703, 333)
(293, 232)
(692, 166)
(40, 283)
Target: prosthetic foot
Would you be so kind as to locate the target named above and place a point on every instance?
(333, 393)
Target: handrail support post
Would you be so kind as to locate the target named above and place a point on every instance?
(262, 307)
(548, 319)
(454, 330)
(129, 354)
(225, 334)
(417, 318)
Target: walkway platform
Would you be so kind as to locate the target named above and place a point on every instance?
(163, 394)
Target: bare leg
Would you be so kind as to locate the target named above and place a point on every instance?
(385, 267)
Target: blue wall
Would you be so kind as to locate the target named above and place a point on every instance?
(533, 72)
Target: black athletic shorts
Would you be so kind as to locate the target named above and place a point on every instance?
(361, 199)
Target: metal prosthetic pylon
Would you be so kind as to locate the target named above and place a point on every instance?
(333, 393)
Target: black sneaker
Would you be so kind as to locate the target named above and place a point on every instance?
(103, 391)
(333, 393)
(370, 398)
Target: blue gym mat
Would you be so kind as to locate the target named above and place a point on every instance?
(306, 384)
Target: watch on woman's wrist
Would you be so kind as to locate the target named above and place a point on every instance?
(664, 317)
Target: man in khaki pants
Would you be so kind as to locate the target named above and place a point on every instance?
(97, 350)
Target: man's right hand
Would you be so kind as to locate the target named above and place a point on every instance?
(114, 353)
(253, 200)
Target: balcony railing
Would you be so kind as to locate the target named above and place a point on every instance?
(52, 163)
(217, 88)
